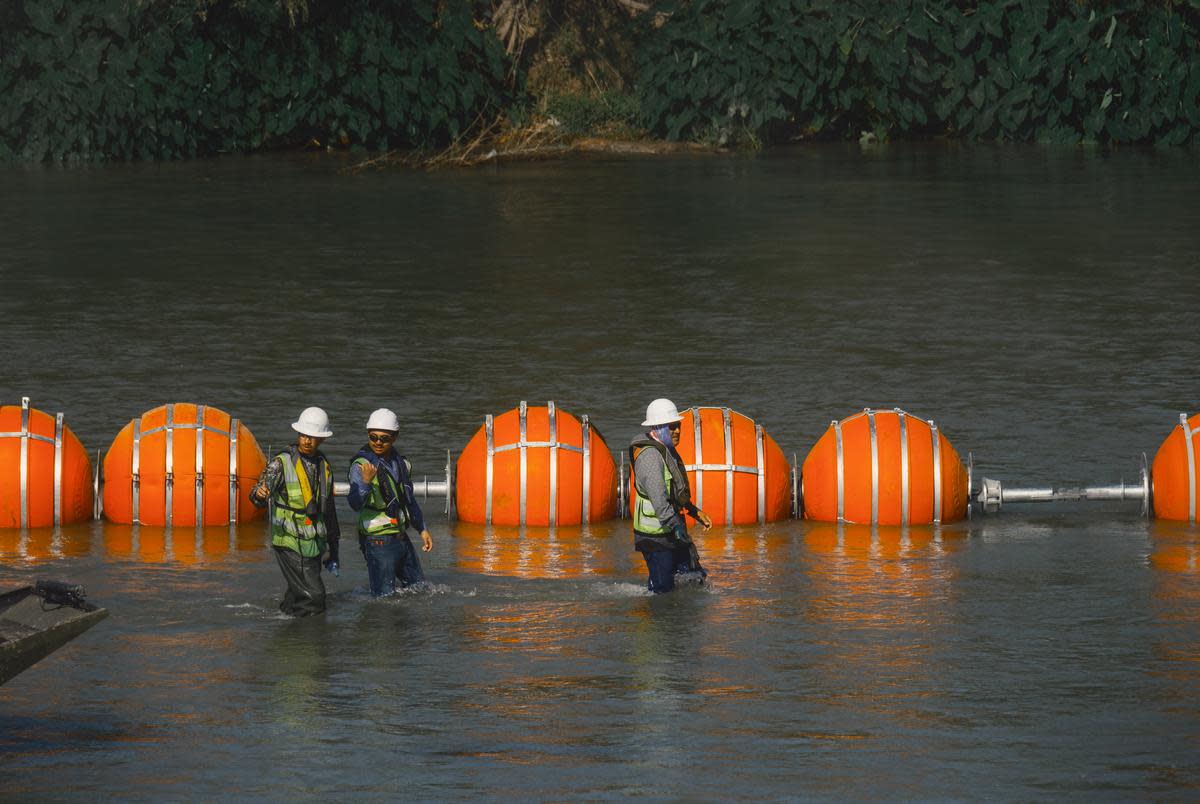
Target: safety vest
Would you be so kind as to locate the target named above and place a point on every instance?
(291, 525)
(644, 518)
(373, 518)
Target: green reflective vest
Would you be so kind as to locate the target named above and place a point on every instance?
(291, 526)
(373, 518)
(644, 518)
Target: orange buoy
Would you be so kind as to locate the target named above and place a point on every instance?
(884, 467)
(182, 464)
(45, 474)
(738, 474)
(536, 466)
(1174, 472)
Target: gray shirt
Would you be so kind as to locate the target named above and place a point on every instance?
(648, 476)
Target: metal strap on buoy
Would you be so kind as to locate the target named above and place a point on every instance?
(841, 471)
(58, 437)
(728, 467)
(170, 464)
(199, 495)
(553, 464)
(587, 469)
(699, 457)
(524, 444)
(937, 473)
(491, 454)
(874, 466)
(25, 461)
(903, 465)
(762, 474)
(524, 461)
(1191, 464)
(136, 459)
(233, 470)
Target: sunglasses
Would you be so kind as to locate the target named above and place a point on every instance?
(675, 426)
(377, 438)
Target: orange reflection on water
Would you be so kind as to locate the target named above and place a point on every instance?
(1176, 548)
(1175, 561)
(536, 552)
(884, 597)
(878, 575)
(179, 545)
(46, 544)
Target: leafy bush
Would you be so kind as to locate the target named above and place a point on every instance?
(604, 112)
(1024, 70)
(171, 78)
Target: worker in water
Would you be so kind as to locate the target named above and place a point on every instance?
(298, 486)
(663, 496)
(382, 493)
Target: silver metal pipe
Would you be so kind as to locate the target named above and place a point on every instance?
(424, 488)
(992, 494)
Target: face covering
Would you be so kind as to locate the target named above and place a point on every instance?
(662, 434)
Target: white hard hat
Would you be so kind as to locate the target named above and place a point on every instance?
(383, 419)
(661, 411)
(313, 422)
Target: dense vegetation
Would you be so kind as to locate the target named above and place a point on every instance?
(130, 79)
(1045, 70)
(163, 79)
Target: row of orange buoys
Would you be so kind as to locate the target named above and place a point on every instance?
(190, 465)
(178, 464)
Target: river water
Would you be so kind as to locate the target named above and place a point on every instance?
(1040, 304)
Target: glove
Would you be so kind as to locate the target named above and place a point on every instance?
(331, 563)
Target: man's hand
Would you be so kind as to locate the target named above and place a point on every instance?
(261, 492)
(704, 519)
(368, 472)
(426, 541)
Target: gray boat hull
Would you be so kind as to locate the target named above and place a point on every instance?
(32, 626)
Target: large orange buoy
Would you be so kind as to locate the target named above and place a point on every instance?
(182, 464)
(884, 467)
(1175, 471)
(45, 474)
(737, 472)
(536, 466)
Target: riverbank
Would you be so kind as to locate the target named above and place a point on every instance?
(106, 80)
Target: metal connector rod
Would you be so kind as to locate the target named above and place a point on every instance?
(992, 494)
(423, 488)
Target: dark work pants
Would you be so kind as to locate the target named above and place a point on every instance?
(665, 564)
(389, 558)
(305, 594)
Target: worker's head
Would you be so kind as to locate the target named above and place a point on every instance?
(382, 428)
(663, 419)
(313, 428)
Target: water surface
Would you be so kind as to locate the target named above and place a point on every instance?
(1039, 304)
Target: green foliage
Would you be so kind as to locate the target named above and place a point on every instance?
(86, 79)
(1060, 71)
(599, 113)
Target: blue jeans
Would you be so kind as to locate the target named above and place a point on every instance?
(389, 557)
(664, 565)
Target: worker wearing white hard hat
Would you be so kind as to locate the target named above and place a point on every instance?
(662, 497)
(297, 485)
(381, 491)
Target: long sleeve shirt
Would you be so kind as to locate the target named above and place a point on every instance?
(648, 475)
(272, 477)
(360, 489)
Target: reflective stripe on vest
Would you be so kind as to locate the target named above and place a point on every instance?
(373, 519)
(291, 526)
(644, 518)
